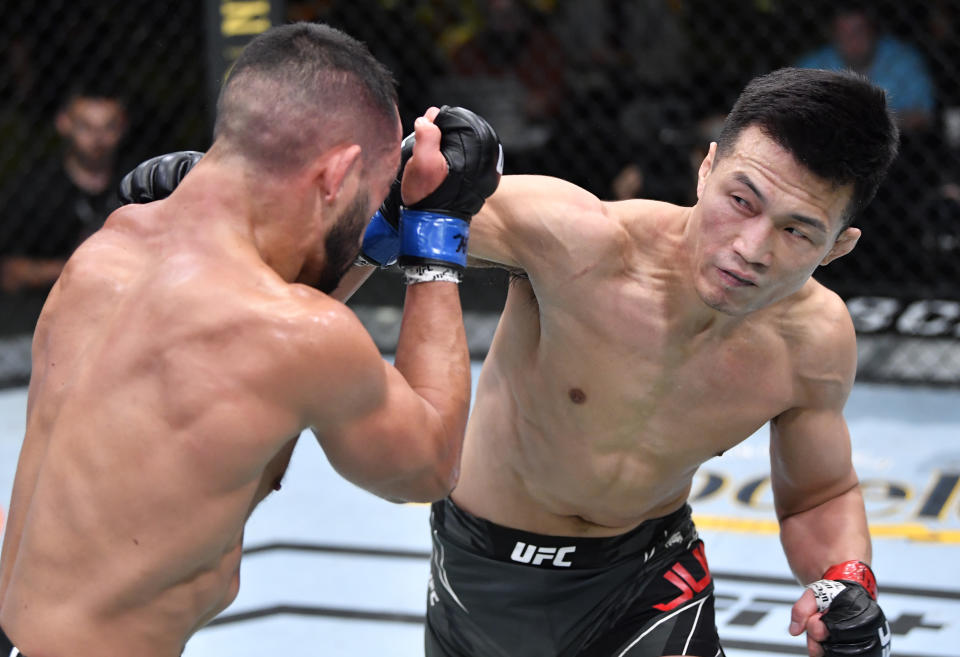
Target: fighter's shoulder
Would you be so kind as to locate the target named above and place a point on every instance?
(317, 324)
(645, 218)
(648, 226)
(329, 360)
(827, 312)
(820, 335)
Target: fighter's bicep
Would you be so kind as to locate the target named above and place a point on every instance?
(535, 222)
(385, 441)
(810, 458)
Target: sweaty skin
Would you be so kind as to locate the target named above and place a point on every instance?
(649, 338)
(174, 365)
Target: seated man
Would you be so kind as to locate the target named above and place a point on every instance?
(60, 201)
(891, 63)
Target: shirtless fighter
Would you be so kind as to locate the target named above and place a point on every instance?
(188, 340)
(640, 339)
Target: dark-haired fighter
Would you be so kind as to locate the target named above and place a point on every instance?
(639, 340)
(190, 341)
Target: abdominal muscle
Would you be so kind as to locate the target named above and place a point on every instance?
(562, 461)
(572, 435)
(557, 485)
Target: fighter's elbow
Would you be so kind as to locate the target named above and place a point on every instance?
(428, 475)
(442, 456)
(423, 488)
(433, 490)
(447, 479)
(437, 480)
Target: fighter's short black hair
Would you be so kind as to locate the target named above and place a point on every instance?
(837, 124)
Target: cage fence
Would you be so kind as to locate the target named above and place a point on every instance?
(621, 97)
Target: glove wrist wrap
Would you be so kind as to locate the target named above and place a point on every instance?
(433, 238)
(854, 571)
(413, 274)
(856, 625)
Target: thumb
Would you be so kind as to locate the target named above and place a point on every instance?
(802, 610)
(427, 167)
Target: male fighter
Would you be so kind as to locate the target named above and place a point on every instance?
(640, 339)
(189, 342)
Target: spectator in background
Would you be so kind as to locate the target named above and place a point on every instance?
(626, 62)
(395, 33)
(943, 52)
(634, 42)
(660, 177)
(61, 202)
(937, 263)
(858, 44)
(506, 64)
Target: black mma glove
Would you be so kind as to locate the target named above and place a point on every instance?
(847, 596)
(434, 231)
(157, 177)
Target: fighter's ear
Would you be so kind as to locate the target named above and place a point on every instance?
(705, 167)
(332, 168)
(846, 240)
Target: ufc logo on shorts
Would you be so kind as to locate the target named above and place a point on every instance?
(532, 554)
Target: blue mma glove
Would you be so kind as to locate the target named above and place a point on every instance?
(381, 240)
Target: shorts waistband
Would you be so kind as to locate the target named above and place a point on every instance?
(563, 552)
(7, 649)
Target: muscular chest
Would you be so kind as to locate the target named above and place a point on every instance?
(635, 382)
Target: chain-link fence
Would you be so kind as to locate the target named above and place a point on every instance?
(619, 96)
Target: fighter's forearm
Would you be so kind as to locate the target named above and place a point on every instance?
(830, 533)
(432, 347)
(432, 356)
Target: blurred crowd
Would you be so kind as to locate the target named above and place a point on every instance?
(619, 96)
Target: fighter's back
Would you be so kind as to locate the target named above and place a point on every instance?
(144, 355)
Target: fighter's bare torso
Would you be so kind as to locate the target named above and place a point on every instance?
(157, 432)
(598, 401)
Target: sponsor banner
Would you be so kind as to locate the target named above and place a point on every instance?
(928, 318)
(896, 507)
(910, 494)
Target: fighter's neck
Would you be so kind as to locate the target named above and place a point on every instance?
(692, 318)
(270, 218)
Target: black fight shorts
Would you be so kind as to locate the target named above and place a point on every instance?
(501, 592)
(7, 649)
